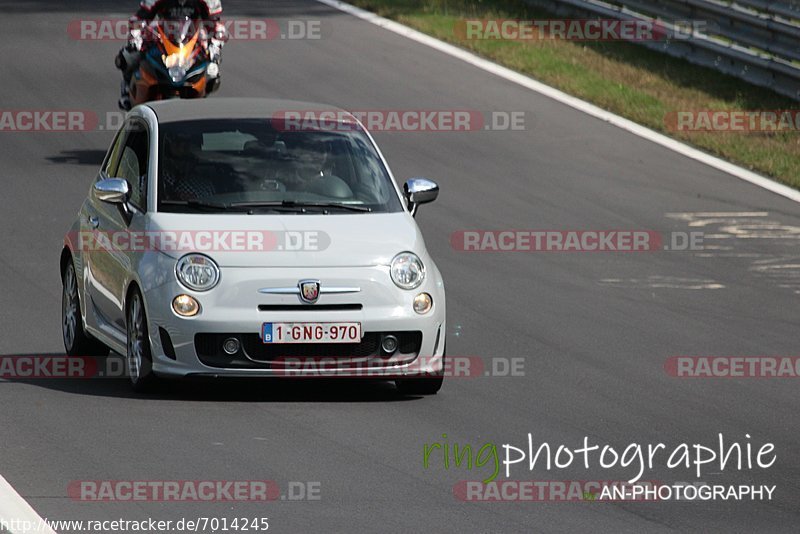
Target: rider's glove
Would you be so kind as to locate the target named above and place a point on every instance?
(215, 49)
(220, 33)
(135, 39)
(218, 38)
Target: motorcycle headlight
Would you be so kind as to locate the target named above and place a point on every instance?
(407, 270)
(177, 73)
(197, 272)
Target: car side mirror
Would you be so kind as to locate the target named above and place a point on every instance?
(112, 190)
(115, 191)
(420, 191)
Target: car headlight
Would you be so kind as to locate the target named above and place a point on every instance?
(197, 272)
(407, 270)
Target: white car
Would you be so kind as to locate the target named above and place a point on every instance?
(219, 240)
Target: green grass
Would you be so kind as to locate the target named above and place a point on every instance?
(624, 78)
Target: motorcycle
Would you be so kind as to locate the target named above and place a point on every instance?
(174, 63)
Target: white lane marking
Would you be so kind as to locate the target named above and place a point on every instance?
(694, 214)
(571, 101)
(738, 225)
(662, 282)
(15, 512)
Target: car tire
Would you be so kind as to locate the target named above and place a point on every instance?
(139, 357)
(77, 342)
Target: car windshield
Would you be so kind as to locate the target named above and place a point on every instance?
(217, 166)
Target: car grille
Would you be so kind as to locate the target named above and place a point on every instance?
(255, 354)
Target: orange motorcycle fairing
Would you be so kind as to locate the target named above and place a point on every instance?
(146, 86)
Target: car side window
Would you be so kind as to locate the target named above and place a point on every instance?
(133, 164)
(113, 155)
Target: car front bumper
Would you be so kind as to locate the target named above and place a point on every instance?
(235, 308)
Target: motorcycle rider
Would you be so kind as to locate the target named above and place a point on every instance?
(209, 11)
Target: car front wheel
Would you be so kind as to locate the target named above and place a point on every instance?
(139, 357)
(76, 341)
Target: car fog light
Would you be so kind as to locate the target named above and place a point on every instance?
(186, 306)
(423, 303)
(389, 344)
(231, 346)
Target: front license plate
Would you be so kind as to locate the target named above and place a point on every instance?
(311, 332)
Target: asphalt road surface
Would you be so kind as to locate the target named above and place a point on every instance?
(593, 329)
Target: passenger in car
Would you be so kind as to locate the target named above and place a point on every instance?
(181, 182)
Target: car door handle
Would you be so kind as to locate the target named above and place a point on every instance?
(94, 222)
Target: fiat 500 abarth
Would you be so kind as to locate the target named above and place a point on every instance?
(221, 239)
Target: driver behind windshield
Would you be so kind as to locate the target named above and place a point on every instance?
(311, 171)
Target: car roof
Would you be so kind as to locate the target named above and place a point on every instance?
(231, 108)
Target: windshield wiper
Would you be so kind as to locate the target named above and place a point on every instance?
(336, 205)
(301, 205)
(219, 206)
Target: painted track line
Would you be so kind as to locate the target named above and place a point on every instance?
(571, 101)
(16, 512)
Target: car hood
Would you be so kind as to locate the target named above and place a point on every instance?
(241, 240)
